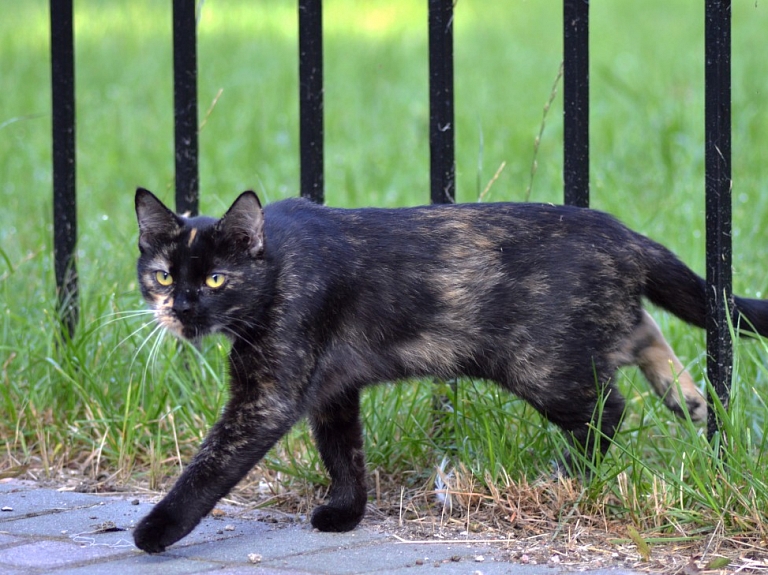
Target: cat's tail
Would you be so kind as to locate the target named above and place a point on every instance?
(675, 287)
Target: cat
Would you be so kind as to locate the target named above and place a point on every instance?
(320, 302)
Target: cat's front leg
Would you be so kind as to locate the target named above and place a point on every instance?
(241, 437)
(338, 433)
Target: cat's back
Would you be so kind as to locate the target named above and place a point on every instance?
(491, 225)
(455, 277)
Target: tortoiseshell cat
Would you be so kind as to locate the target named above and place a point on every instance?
(320, 302)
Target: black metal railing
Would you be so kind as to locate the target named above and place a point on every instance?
(441, 138)
(442, 131)
(185, 106)
(717, 112)
(576, 102)
(64, 200)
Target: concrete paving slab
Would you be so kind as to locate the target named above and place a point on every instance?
(47, 554)
(470, 569)
(255, 570)
(143, 564)
(6, 539)
(11, 484)
(23, 502)
(64, 533)
(273, 543)
(93, 517)
(97, 515)
(377, 559)
(92, 520)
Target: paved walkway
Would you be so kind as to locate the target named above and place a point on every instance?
(46, 531)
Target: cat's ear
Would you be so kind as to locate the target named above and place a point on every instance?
(155, 219)
(244, 222)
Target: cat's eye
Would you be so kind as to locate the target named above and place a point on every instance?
(163, 278)
(215, 280)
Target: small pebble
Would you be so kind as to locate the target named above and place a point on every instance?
(6, 508)
(229, 528)
(479, 558)
(135, 502)
(254, 557)
(419, 562)
(525, 559)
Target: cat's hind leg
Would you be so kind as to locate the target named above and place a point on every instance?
(338, 434)
(581, 399)
(647, 349)
(590, 418)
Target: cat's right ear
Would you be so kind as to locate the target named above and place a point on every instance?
(155, 219)
(244, 222)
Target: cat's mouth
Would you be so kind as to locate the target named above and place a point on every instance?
(173, 324)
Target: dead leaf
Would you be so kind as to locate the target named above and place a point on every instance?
(106, 527)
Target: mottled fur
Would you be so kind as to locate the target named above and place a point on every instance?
(320, 302)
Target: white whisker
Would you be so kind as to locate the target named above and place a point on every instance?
(154, 331)
(154, 350)
(119, 315)
(133, 333)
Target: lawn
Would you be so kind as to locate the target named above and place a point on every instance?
(117, 401)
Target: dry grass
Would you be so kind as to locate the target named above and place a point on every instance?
(552, 522)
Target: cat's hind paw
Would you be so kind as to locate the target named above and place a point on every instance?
(335, 519)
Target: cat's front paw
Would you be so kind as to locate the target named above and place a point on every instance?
(157, 531)
(327, 518)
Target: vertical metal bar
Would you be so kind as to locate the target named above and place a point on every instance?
(311, 99)
(442, 130)
(717, 78)
(442, 154)
(64, 199)
(576, 101)
(185, 106)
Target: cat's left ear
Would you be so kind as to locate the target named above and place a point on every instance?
(244, 222)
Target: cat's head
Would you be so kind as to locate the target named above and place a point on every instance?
(198, 274)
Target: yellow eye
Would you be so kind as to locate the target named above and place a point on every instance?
(163, 278)
(215, 280)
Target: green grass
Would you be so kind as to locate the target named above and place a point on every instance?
(113, 400)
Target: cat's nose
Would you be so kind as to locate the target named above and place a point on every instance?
(182, 305)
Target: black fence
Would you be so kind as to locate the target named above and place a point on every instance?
(441, 138)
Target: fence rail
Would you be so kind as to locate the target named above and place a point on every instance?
(576, 102)
(717, 112)
(185, 106)
(442, 128)
(64, 200)
(441, 138)
(311, 99)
